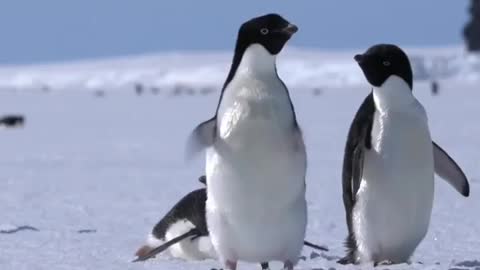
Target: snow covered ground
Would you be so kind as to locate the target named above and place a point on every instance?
(205, 72)
(92, 173)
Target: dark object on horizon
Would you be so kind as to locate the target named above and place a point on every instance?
(207, 90)
(139, 89)
(13, 120)
(471, 32)
(155, 90)
(45, 88)
(87, 231)
(99, 93)
(180, 90)
(317, 91)
(435, 87)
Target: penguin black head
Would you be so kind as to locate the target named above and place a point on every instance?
(381, 61)
(271, 31)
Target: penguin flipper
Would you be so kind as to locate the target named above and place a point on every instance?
(357, 169)
(358, 142)
(314, 246)
(447, 169)
(152, 253)
(202, 137)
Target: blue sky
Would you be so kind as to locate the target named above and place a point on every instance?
(59, 30)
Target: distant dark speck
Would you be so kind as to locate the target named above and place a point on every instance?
(87, 231)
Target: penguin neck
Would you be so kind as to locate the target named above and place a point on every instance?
(393, 94)
(257, 62)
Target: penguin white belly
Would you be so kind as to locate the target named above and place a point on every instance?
(199, 248)
(394, 200)
(256, 208)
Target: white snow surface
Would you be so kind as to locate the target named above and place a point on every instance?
(115, 164)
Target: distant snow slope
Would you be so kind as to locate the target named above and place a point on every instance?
(86, 178)
(205, 72)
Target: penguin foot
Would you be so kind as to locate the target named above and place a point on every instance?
(265, 266)
(346, 260)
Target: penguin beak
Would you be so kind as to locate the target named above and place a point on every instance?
(290, 29)
(359, 58)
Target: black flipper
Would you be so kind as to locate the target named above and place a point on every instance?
(358, 142)
(447, 169)
(314, 246)
(202, 137)
(192, 233)
(265, 266)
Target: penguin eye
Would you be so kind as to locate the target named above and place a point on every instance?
(264, 31)
(386, 63)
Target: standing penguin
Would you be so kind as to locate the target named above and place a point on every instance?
(389, 164)
(183, 231)
(256, 159)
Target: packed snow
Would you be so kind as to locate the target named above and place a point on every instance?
(100, 158)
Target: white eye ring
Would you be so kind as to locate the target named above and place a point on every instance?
(386, 63)
(264, 31)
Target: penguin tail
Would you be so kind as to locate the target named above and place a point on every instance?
(147, 252)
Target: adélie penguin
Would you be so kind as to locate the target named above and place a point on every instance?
(183, 232)
(389, 164)
(255, 155)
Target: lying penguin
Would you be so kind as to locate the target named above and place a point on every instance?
(183, 231)
(12, 121)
